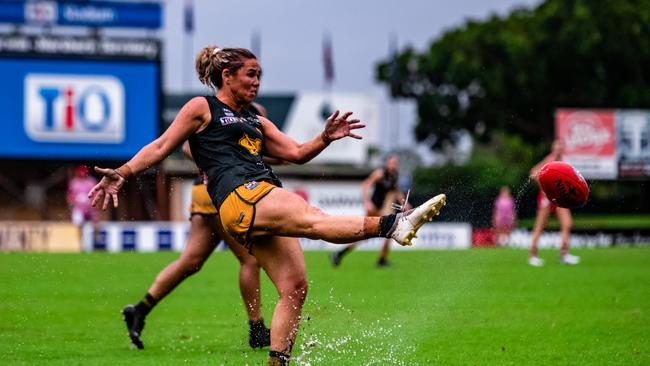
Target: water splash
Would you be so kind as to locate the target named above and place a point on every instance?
(522, 189)
(377, 343)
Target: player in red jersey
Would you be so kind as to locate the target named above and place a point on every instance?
(544, 209)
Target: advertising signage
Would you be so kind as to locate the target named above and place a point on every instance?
(82, 13)
(82, 106)
(79, 47)
(606, 143)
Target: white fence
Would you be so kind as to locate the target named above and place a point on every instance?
(155, 236)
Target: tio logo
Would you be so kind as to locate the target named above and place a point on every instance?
(71, 108)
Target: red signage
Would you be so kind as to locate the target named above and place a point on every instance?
(587, 132)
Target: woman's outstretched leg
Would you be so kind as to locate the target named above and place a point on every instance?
(285, 213)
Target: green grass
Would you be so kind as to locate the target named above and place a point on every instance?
(580, 221)
(477, 307)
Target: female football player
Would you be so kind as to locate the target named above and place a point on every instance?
(544, 209)
(228, 142)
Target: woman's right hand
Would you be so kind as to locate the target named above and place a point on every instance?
(107, 188)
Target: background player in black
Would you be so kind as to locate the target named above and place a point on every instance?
(204, 235)
(383, 183)
(227, 142)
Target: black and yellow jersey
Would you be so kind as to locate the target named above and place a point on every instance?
(388, 183)
(229, 150)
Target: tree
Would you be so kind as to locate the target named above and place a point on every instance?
(511, 73)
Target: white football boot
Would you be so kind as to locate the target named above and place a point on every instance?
(407, 223)
(569, 259)
(536, 261)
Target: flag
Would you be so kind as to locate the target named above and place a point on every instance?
(393, 66)
(188, 16)
(256, 44)
(328, 59)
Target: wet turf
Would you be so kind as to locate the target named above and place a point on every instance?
(478, 307)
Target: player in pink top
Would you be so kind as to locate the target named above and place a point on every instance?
(503, 216)
(77, 196)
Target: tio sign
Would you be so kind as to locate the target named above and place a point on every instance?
(74, 108)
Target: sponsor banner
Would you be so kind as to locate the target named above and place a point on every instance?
(71, 108)
(82, 13)
(149, 236)
(521, 238)
(53, 46)
(172, 236)
(165, 235)
(606, 143)
(39, 236)
(77, 109)
(589, 140)
(633, 142)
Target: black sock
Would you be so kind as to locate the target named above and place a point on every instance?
(277, 358)
(386, 225)
(146, 304)
(256, 326)
(345, 251)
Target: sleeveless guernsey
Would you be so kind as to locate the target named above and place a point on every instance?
(229, 150)
(387, 183)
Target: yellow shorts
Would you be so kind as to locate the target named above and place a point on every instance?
(201, 201)
(238, 210)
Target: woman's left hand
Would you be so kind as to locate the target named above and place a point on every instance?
(339, 127)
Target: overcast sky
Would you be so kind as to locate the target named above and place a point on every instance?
(291, 33)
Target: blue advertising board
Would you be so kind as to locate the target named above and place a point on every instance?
(77, 109)
(82, 13)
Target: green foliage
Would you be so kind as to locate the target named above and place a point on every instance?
(506, 161)
(511, 73)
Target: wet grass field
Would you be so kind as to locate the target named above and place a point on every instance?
(476, 307)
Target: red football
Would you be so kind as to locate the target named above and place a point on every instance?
(563, 185)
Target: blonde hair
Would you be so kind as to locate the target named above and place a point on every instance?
(212, 60)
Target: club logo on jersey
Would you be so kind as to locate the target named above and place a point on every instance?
(73, 108)
(254, 146)
(227, 112)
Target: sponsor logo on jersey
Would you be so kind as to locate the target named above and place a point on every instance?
(251, 185)
(228, 112)
(74, 108)
(253, 145)
(230, 120)
(227, 120)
